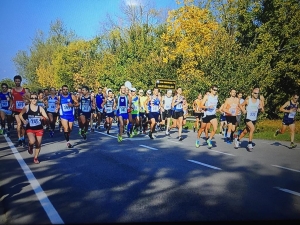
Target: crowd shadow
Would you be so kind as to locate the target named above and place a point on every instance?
(110, 182)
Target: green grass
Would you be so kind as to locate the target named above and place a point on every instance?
(264, 130)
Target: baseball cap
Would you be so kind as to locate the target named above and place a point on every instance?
(133, 89)
(149, 92)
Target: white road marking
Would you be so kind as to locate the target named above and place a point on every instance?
(42, 197)
(203, 164)
(298, 171)
(145, 146)
(288, 191)
(222, 152)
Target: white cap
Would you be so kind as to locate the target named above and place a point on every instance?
(169, 91)
(108, 90)
(141, 91)
(149, 92)
(133, 89)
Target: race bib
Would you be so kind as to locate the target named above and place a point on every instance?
(167, 107)
(4, 103)
(154, 108)
(20, 104)
(34, 121)
(252, 115)
(108, 109)
(232, 111)
(179, 106)
(85, 108)
(292, 115)
(66, 108)
(123, 109)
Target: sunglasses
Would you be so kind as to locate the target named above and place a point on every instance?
(34, 98)
(4, 87)
(215, 89)
(64, 89)
(255, 93)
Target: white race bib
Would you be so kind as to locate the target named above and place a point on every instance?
(232, 111)
(34, 121)
(85, 108)
(108, 109)
(4, 103)
(154, 108)
(123, 109)
(252, 115)
(20, 104)
(66, 108)
(292, 115)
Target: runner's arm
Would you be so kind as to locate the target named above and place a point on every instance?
(285, 105)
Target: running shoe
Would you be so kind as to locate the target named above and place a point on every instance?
(128, 134)
(51, 133)
(150, 135)
(197, 143)
(69, 145)
(18, 143)
(84, 135)
(194, 128)
(180, 138)
(250, 147)
(107, 131)
(236, 143)
(36, 161)
(276, 133)
(1, 131)
(135, 132)
(167, 133)
(209, 143)
(30, 149)
(92, 129)
(24, 143)
(120, 138)
(228, 141)
(7, 133)
(80, 132)
(292, 146)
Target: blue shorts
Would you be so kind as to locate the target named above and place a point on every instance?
(86, 114)
(223, 118)
(6, 112)
(154, 115)
(123, 115)
(112, 115)
(135, 116)
(288, 121)
(68, 118)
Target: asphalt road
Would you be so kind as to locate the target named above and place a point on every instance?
(143, 180)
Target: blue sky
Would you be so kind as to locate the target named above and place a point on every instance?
(21, 19)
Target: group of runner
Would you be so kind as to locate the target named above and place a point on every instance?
(135, 113)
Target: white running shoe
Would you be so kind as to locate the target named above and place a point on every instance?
(236, 143)
(250, 147)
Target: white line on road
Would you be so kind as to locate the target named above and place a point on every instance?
(298, 171)
(42, 197)
(145, 146)
(203, 164)
(222, 152)
(288, 191)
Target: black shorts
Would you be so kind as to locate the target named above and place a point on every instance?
(54, 114)
(247, 120)
(154, 115)
(176, 115)
(208, 118)
(288, 121)
(198, 115)
(166, 114)
(87, 115)
(231, 119)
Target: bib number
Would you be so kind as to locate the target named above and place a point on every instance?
(20, 104)
(66, 108)
(108, 109)
(34, 121)
(123, 109)
(154, 108)
(292, 115)
(4, 103)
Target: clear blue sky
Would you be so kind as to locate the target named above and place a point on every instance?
(21, 19)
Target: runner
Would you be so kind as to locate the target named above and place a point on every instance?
(86, 102)
(290, 108)
(198, 112)
(123, 102)
(154, 103)
(239, 114)
(17, 104)
(5, 113)
(167, 109)
(51, 102)
(99, 106)
(142, 114)
(185, 106)
(230, 108)
(66, 103)
(223, 122)
(209, 102)
(109, 107)
(32, 116)
(135, 106)
(177, 104)
(41, 103)
(253, 105)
